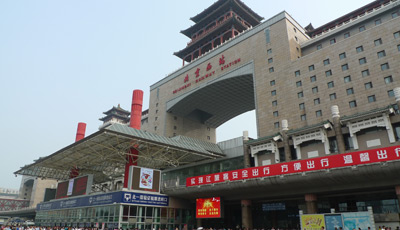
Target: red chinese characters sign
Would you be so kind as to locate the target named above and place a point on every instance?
(208, 207)
(313, 164)
(200, 75)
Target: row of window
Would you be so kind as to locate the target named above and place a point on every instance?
(360, 29)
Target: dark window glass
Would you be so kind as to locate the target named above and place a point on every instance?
(381, 54)
(326, 61)
(350, 91)
(365, 73)
(360, 49)
(300, 94)
(274, 103)
(332, 96)
(378, 22)
(301, 106)
(352, 104)
(328, 73)
(271, 70)
(316, 101)
(270, 60)
(333, 41)
(388, 79)
(346, 35)
(318, 113)
(385, 66)
(303, 117)
(368, 85)
(269, 51)
(272, 83)
(390, 93)
(311, 68)
(362, 60)
(345, 67)
(342, 56)
(273, 92)
(315, 89)
(362, 28)
(313, 78)
(276, 113)
(378, 42)
(297, 73)
(298, 83)
(330, 84)
(319, 47)
(276, 124)
(347, 79)
(396, 35)
(371, 98)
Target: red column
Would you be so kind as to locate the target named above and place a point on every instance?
(80, 134)
(135, 122)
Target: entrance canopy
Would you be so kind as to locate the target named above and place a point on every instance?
(103, 154)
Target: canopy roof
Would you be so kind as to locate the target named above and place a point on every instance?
(103, 154)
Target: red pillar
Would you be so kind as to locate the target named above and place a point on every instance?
(135, 122)
(80, 134)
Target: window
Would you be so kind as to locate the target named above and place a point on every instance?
(333, 41)
(297, 73)
(271, 70)
(301, 106)
(345, 67)
(360, 49)
(362, 28)
(311, 68)
(332, 96)
(385, 66)
(274, 103)
(388, 79)
(296, 38)
(295, 30)
(352, 104)
(276, 125)
(347, 79)
(269, 51)
(326, 61)
(328, 73)
(371, 98)
(315, 89)
(300, 94)
(365, 73)
(270, 60)
(346, 35)
(313, 78)
(208, 137)
(398, 48)
(318, 113)
(342, 56)
(155, 118)
(381, 54)
(362, 60)
(273, 92)
(155, 128)
(395, 14)
(317, 101)
(175, 127)
(390, 93)
(275, 113)
(330, 84)
(303, 117)
(378, 21)
(350, 91)
(378, 42)
(396, 35)
(368, 85)
(272, 83)
(319, 46)
(175, 118)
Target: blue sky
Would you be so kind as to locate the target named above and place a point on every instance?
(64, 62)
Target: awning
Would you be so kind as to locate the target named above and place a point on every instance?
(103, 154)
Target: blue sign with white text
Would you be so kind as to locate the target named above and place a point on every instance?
(105, 199)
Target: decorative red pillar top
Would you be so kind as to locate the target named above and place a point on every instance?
(80, 132)
(136, 110)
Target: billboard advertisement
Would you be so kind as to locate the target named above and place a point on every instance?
(208, 207)
(355, 220)
(312, 222)
(74, 187)
(144, 179)
(333, 221)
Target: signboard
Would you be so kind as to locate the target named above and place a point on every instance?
(74, 187)
(208, 207)
(273, 207)
(327, 162)
(106, 199)
(355, 220)
(333, 221)
(144, 179)
(312, 222)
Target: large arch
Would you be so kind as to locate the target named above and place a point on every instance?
(216, 102)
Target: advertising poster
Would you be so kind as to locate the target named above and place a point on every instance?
(333, 221)
(312, 222)
(146, 178)
(355, 220)
(208, 207)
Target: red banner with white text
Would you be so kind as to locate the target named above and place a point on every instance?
(327, 162)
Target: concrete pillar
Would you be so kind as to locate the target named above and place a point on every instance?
(397, 96)
(311, 203)
(247, 220)
(246, 151)
(337, 126)
(285, 137)
(199, 222)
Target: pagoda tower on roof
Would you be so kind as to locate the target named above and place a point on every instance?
(115, 115)
(218, 23)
